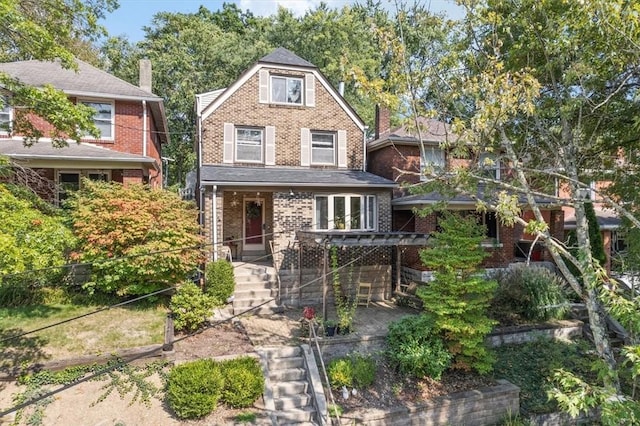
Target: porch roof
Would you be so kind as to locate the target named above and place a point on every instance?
(355, 238)
(463, 201)
(290, 177)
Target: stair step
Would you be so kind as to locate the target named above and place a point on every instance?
(268, 309)
(294, 401)
(249, 303)
(253, 277)
(260, 293)
(305, 414)
(288, 374)
(282, 351)
(286, 363)
(294, 423)
(290, 388)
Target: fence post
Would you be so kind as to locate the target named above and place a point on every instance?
(168, 334)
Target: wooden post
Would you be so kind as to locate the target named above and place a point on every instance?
(325, 287)
(168, 334)
(398, 271)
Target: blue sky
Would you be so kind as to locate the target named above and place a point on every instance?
(132, 15)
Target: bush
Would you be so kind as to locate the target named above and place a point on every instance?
(529, 293)
(243, 381)
(340, 373)
(220, 280)
(194, 388)
(190, 307)
(364, 370)
(414, 349)
(143, 228)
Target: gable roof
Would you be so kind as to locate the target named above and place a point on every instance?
(282, 56)
(276, 59)
(432, 132)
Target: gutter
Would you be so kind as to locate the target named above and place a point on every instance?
(214, 221)
(299, 184)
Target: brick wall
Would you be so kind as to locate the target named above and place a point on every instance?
(388, 162)
(243, 108)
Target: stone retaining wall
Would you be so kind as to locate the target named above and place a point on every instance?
(477, 407)
(562, 329)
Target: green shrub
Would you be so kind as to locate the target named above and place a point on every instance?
(340, 373)
(190, 307)
(414, 349)
(364, 370)
(530, 293)
(244, 381)
(194, 388)
(220, 280)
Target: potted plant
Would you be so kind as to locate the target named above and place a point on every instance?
(330, 327)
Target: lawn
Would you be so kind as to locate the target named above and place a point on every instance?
(100, 333)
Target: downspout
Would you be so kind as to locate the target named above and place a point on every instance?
(364, 149)
(214, 221)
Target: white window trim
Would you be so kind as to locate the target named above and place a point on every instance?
(424, 165)
(9, 112)
(113, 116)
(364, 213)
(81, 174)
(496, 163)
(235, 144)
(287, 78)
(334, 149)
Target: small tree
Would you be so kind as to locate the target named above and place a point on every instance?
(151, 235)
(459, 296)
(220, 280)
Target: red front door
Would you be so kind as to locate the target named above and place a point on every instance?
(253, 220)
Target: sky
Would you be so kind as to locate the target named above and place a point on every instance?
(132, 15)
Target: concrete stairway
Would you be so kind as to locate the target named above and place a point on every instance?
(255, 284)
(289, 389)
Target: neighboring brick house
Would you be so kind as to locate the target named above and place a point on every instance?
(281, 152)
(395, 154)
(131, 119)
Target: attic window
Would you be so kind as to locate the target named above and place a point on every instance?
(103, 118)
(6, 113)
(286, 90)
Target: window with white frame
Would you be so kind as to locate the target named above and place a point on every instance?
(286, 90)
(433, 160)
(490, 165)
(323, 148)
(103, 118)
(249, 144)
(71, 180)
(346, 212)
(6, 115)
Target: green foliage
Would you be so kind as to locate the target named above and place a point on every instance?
(364, 370)
(33, 244)
(531, 366)
(243, 381)
(220, 280)
(194, 388)
(528, 293)
(190, 307)
(142, 230)
(414, 347)
(459, 296)
(346, 305)
(340, 373)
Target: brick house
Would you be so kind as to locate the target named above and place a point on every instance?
(281, 159)
(395, 154)
(131, 119)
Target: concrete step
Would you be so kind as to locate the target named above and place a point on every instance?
(292, 388)
(268, 309)
(249, 294)
(294, 423)
(286, 363)
(250, 303)
(287, 375)
(251, 277)
(282, 351)
(306, 414)
(294, 401)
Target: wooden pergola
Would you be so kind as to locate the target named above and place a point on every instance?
(328, 239)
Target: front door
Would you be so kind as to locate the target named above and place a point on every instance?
(253, 222)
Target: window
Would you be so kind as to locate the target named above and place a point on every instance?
(434, 159)
(6, 115)
(286, 90)
(323, 148)
(249, 145)
(103, 118)
(345, 212)
(490, 165)
(69, 181)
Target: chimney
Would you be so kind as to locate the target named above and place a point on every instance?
(383, 121)
(145, 75)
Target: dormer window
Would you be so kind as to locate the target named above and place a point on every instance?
(6, 115)
(286, 90)
(434, 161)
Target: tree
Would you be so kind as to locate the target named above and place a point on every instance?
(49, 30)
(544, 87)
(459, 295)
(151, 235)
